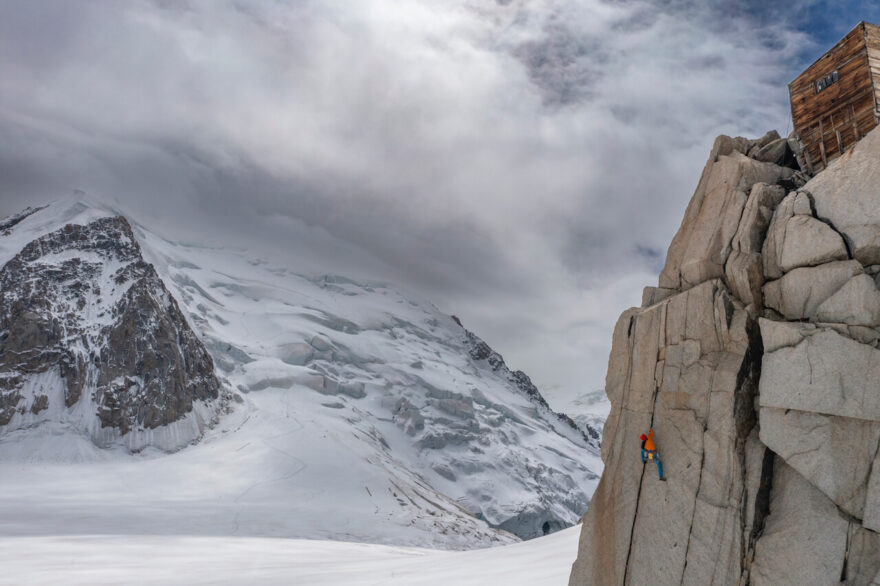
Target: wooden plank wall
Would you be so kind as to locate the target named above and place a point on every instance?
(831, 121)
(872, 40)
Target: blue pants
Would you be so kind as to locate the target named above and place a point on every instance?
(653, 455)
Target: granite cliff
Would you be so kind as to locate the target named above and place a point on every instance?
(755, 363)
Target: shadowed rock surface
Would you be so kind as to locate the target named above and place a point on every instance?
(90, 337)
(756, 363)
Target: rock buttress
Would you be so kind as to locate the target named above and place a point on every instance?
(91, 338)
(754, 362)
(691, 379)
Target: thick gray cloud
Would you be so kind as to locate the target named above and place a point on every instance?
(522, 163)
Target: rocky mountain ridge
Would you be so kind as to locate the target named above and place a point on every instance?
(90, 338)
(480, 350)
(753, 361)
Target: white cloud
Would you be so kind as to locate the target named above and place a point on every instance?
(511, 160)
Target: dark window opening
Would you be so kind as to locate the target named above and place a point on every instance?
(824, 82)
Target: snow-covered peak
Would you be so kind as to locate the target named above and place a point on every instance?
(91, 342)
(361, 412)
(434, 398)
(77, 207)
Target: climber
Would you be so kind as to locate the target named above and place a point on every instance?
(649, 452)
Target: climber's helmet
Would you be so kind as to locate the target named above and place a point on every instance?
(643, 437)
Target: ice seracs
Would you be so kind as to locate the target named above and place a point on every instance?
(435, 398)
(348, 410)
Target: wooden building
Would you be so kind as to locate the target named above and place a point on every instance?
(836, 101)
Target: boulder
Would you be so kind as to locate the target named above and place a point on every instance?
(808, 242)
(804, 539)
(780, 334)
(834, 453)
(353, 389)
(745, 276)
(856, 303)
(756, 217)
(726, 145)
(702, 244)
(823, 372)
(777, 152)
(794, 204)
(847, 195)
(757, 144)
(771, 248)
(652, 295)
(798, 294)
(802, 205)
(744, 268)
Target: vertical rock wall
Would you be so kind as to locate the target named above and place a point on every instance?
(91, 340)
(756, 363)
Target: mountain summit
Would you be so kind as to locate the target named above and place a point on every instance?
(91, 339)
(320, 407)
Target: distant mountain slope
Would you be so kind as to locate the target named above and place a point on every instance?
(589, 412)
(479, 350)
(359, 413)
(437, 399)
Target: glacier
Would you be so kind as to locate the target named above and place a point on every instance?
(354, 411)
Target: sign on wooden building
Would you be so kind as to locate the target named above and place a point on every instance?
(836, 101)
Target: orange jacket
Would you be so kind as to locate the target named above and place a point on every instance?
(649, 443)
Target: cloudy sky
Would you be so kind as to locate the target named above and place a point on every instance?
(521, 163)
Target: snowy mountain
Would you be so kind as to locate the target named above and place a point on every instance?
(589, 412)
(355, 412)
(90, 339)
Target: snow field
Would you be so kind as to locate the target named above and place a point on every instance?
(358, 417)
(105, 560)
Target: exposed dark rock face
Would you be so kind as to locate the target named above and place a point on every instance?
(7, 223)
(83, 303)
